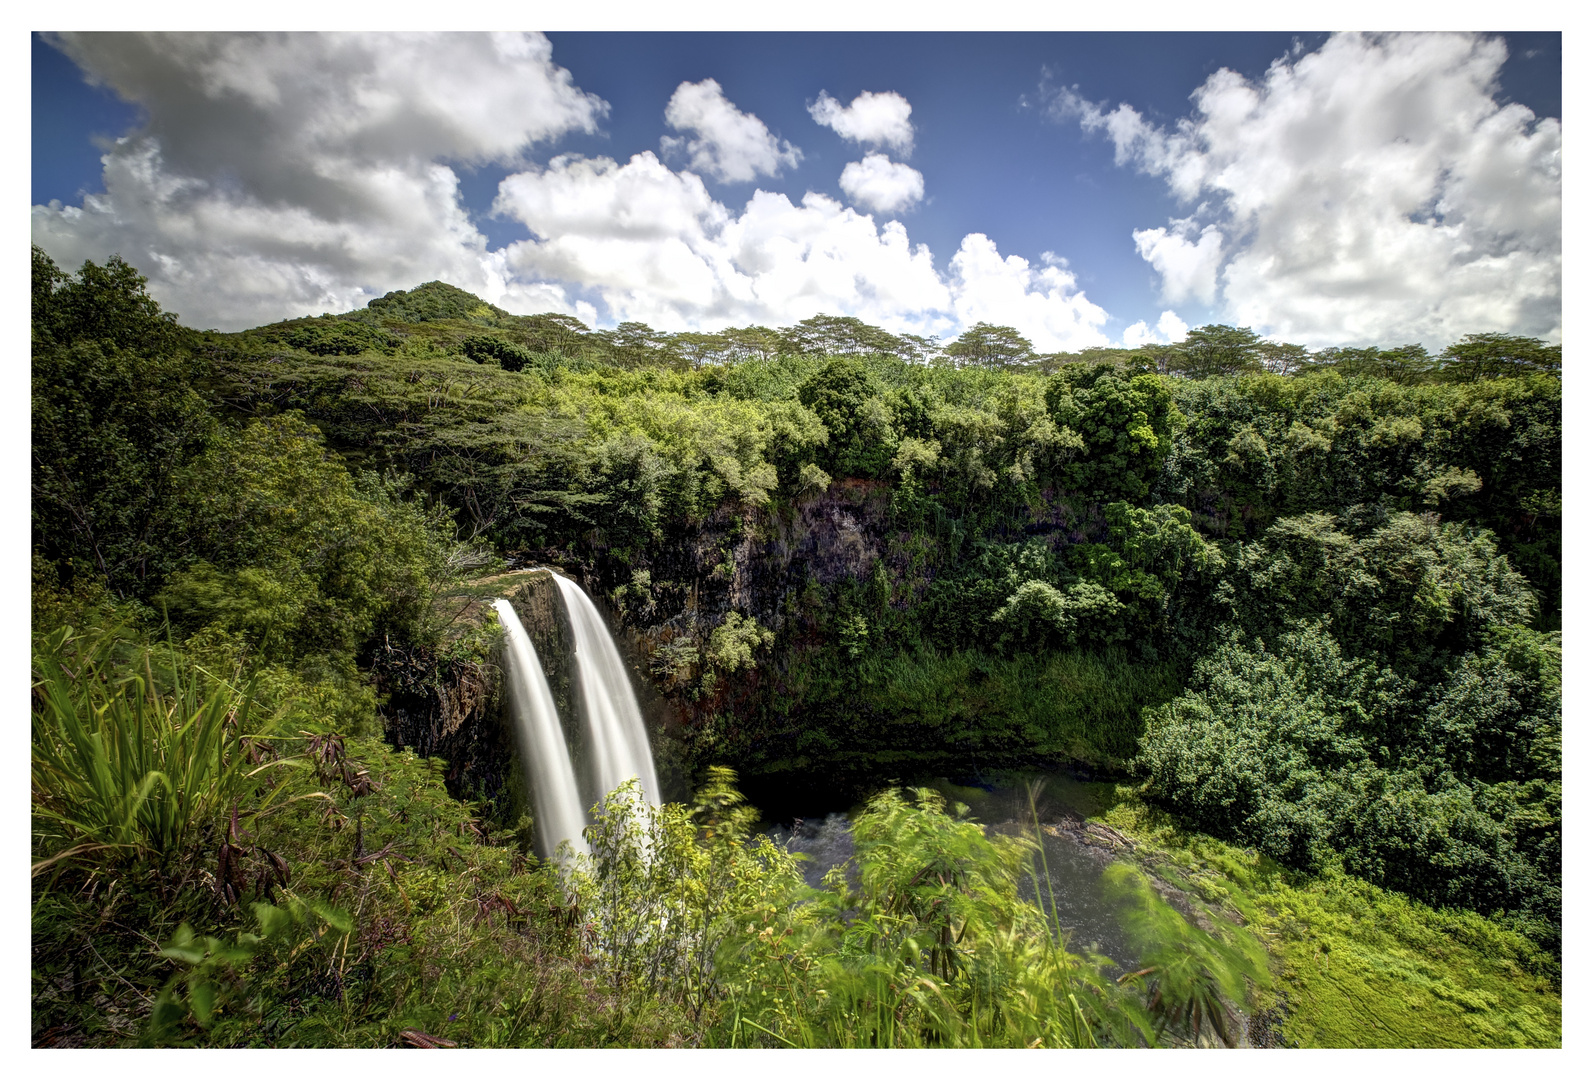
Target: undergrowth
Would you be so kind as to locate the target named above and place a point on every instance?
(1356, 965)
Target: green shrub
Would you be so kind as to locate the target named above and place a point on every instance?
(1318, 758)
(484, 348)
(846, 398)
(1126, 426)
(731, 645)
(304, 558)
(116, 420)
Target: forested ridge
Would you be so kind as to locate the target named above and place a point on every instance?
(1304, 606)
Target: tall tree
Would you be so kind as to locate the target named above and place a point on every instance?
(838, 335)
(984, 345)
(1492, 356)
(1406, 365)
(115, 418)
(1220, 350)
(862, 432)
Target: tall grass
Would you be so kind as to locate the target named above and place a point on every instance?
(125, 763)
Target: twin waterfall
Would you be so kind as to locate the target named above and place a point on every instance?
(616, 739)
(547, 757)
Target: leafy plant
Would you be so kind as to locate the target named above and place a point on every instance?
(128, 764)
(213, 977)
(733, 642)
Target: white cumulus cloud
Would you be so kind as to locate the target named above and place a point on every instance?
(284, 174)
(1045, 305)
(1168, 329)
(881, 184)
(656, 247)
(278, 176)
(873, 119)
(1374, 190)
(1186, 259)
(726, 143)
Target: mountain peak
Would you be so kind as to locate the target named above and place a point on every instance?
(432, 301)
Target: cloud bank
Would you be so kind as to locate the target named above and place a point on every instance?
(1045, 304)
(282, 175)
(1371, 191)
(285, 174)
(656, 247)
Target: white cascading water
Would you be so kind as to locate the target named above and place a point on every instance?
(542, 746)
(616, 737)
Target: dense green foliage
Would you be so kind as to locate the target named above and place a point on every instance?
(1449, 793)
(346, 926)
(116, 420)
(328, 337)
(1483, 453)
(248, 533)
(1356, 965)
(1309, 600)
(304, 560)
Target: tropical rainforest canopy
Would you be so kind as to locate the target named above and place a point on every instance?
(1304, 605)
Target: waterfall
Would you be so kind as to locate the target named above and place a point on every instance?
(616, 738)
(547, 758)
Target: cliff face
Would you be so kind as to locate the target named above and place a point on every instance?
(752, 561)
(663, 605)
(771, 564)
(451, 703)
(447, 707)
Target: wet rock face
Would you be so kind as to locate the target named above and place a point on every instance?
(448, 709)
(749, 560)
(453, 708)
(665, 601)
(743, 559)
(839, 536)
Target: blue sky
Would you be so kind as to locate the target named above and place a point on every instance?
(1366, 190)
